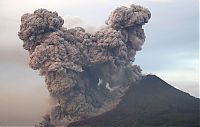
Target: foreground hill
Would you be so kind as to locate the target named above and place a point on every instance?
(150, 103)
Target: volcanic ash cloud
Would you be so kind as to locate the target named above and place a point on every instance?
(86, 73)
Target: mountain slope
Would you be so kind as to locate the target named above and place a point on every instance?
(149, 103)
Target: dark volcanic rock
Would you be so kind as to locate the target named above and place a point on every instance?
(149, 103)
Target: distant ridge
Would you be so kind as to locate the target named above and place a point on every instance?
(149, 103)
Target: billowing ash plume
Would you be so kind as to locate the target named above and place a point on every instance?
(86, 73)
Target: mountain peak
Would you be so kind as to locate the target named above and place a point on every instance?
(153, 79)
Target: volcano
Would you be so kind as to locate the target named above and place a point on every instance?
(151, 102)
(93, 78)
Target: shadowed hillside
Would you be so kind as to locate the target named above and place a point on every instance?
(149, 103)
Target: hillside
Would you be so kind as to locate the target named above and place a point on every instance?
(149, 103)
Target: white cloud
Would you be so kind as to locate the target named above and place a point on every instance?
(162, 1)
(75, 21)
(186, 75)
(185, 79)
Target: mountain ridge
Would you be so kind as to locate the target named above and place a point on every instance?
(151, 102)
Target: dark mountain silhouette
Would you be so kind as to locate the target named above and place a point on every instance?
(149, 103)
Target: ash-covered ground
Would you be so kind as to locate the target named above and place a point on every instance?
(85, 73)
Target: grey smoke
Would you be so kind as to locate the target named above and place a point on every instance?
(74, 61)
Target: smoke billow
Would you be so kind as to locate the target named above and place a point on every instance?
(86, 73)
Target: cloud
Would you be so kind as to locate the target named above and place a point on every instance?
(75, 21)
(183, 79)
(162, 1)
(71, 60)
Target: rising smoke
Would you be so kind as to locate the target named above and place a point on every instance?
(85, 73)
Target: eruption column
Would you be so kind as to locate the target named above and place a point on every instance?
(86, 73)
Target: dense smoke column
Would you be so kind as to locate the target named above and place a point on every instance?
(86, 73)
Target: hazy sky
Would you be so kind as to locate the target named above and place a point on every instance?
(171, 50)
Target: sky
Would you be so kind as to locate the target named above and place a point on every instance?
(171, 49)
